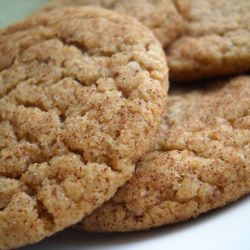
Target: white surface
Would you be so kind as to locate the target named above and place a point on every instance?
(223, 229)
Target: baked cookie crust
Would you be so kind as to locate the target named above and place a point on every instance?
(201, 162)
(163, 17)
(215, 41)
(82, 94)
(202, 38)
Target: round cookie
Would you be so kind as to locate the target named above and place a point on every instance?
(202, 162)
(215, 41)
(163, 17)
(82, 95)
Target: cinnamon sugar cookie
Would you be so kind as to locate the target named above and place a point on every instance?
(163, 17)
(82, 92)
(202, 38)
(202, 162)
(215, 41)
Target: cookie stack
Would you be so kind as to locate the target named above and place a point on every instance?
(89, 135)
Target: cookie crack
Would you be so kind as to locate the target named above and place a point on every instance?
(83, 49)
(12, 88)
(201, 155)
(28, 105)
(80, 153)
(45, 216)
(179, 9)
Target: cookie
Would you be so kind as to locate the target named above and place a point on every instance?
(202, 162)
(82, 94)
(163, 17)
(202, 38)
(215, 41)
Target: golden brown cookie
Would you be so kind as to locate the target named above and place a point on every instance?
(202, 162)
(202, 38)
(163, 17)
(216, 41)
(82, 94)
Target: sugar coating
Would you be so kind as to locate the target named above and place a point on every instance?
(201, 38)
(82, 93)
(202, 162)
(163, 17)
(215, 41)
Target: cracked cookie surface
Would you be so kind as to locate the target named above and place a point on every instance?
(202, 162)
(202, 38)
(163, 17)
(215, 41)
(82, 94)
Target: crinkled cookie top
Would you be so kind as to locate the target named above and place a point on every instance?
(163, 17)
(202, 38)
(82, 92)
(202, 162)
(215, 41)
